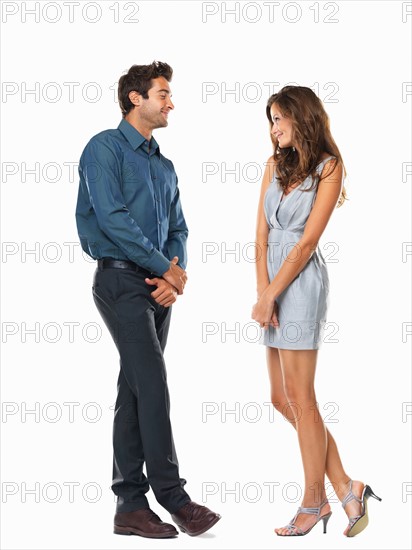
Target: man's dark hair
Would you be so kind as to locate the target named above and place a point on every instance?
(139, 79)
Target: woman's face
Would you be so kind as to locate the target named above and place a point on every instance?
(282, 127)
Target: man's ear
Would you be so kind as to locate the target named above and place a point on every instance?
(135, 97)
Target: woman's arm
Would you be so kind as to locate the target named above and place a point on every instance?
(262, 232)
(328, 193)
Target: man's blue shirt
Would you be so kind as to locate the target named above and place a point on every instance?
(128, 206)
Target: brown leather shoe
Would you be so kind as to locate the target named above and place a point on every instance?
(195, 519)
(144, 523)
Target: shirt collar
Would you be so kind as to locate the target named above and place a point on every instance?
(135, 138)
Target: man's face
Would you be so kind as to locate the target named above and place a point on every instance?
(153, 112)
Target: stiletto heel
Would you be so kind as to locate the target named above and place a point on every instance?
(325, 521)
(295, 530)
(358, 523)
(369, 492)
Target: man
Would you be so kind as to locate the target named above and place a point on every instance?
(129, 219)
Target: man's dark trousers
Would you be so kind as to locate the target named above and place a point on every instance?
(141, 431)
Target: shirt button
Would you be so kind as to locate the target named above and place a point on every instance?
(159, 223)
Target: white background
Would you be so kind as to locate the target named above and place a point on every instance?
(363, 378)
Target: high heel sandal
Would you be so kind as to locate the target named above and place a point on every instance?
(358, 523)
(296, 531)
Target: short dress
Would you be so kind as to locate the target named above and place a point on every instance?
(304, 303)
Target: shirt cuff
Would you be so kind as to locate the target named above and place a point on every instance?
(157, 263)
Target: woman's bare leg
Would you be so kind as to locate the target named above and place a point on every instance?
(334, 468)
(298, 370)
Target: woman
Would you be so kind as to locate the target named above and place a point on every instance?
(302, 185)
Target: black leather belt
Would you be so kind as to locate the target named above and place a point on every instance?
(122, 264)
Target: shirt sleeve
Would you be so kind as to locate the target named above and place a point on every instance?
(101, 171)
(178, 231)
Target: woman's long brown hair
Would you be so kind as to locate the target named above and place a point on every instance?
(311, 137)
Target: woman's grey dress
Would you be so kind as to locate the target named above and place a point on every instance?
(303, 304)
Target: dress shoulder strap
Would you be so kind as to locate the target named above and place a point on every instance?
(323, 162)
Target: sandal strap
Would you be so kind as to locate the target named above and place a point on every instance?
(350, 496)
(308, 511)
(292, 527)
(316, 511)
(353, 519)
(304, 510)
(295, 529)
